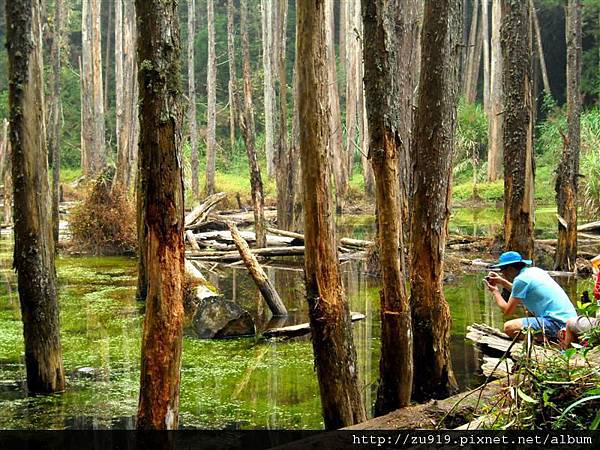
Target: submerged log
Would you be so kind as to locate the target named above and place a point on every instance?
(235, 256)
(258, 274)
(200, 213)
(344, 242)
(300, 329)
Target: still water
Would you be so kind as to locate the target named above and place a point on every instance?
(236, 383)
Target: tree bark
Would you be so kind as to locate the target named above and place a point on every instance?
(433, 135)
(335, 355)
(568, 168)
(540, 49)
(383, 108)
(6, 177)
(295, 171)
(211, 113)
(495, 153)
(55, 135)
(107, 56)
(336, 143)
(93, 113)
(34, 246)
(354, 79)
(233, 105)
(161, 116)
(515, 37)
(119, 94)
(248, 131)
(192, 97)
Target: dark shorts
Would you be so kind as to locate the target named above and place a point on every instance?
(549, 325)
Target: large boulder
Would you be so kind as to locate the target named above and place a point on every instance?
(216, 318)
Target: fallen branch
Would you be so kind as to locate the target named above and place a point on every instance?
(300, 329)
(200, 213)
(258, 274)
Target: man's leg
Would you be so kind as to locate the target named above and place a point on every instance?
(513, 327)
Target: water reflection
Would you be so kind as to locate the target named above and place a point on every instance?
(236, 383)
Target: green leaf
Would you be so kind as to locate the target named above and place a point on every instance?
(576, 404)
(525, 397)
(595, 422)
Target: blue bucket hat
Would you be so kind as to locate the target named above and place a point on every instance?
(508, 258)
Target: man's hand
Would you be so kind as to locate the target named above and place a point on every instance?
(491, 287)
(495, 279)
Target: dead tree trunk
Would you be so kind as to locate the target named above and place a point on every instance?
(471, 52)
(192, 98)
(432, 167)
(286, 167)
(268, 84)
(515, 37)
(34, 246)
(295, 170)
(495, 153)
(336, 143)
(259, 276)
(381, 82)
(486, 55)
(335, 355)
(161, 115)
(211, 113)
(354, 79)
(248, 131)
(55, 115)
(233, 105)
(540, 49)
(93, 113)
(568, 168)
(122, 154)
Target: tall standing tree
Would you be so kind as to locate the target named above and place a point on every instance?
(161, 116)
(469, 69)
(92, 126)
(354, 79)
(335, 355)
(540, 49)
(192, 96)
(211, 111)
(55, 134)
(248, 131)
(515, 38)
(568, 168)
(268, 45)
(34, 245)
(486, 54)
(232, 86)
(381, 85)
(433, 134)
(495, 154)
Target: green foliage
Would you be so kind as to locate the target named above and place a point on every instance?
(470, 140)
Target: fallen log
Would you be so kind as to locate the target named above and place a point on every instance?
(221, 256)
(344, 242)
(592, 226)
(258, 274)
(200, 289)
(200, 213)
(300, 329)
(192, 240)
(248, 236)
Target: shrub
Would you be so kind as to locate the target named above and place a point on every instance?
(104, 223)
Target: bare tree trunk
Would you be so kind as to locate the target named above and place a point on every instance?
(433, 135)
(55, 135)
(335, 355)
(354, 83)
(345, 30)
(211, 87)
(295, 171)
(268, 85)
(107, 56)
(495, 153)
(486, 55)
(192, 97)
(540, 49)
(286, 167)
(6, 175)
(515, 36)
(119, 94)
(367, 168)
(233, 105)
(93, 114)
(471, 51)
(160, 149)
(248, 131)
(34, 246)
(568, 168)
(131, 90)
(381, 83)
(336, 144)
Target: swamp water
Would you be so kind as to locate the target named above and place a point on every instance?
(236, 383)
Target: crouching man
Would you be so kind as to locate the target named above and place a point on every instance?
(536, 290)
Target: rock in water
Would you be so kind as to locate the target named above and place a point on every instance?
(220, 318)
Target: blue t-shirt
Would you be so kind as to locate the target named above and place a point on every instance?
(542, 295)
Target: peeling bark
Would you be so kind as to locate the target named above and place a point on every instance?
(515, 37)
(433, 135)
(34, 246)
(334, 351)
(161, 116)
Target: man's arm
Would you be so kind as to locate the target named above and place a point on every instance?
(507, 307)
